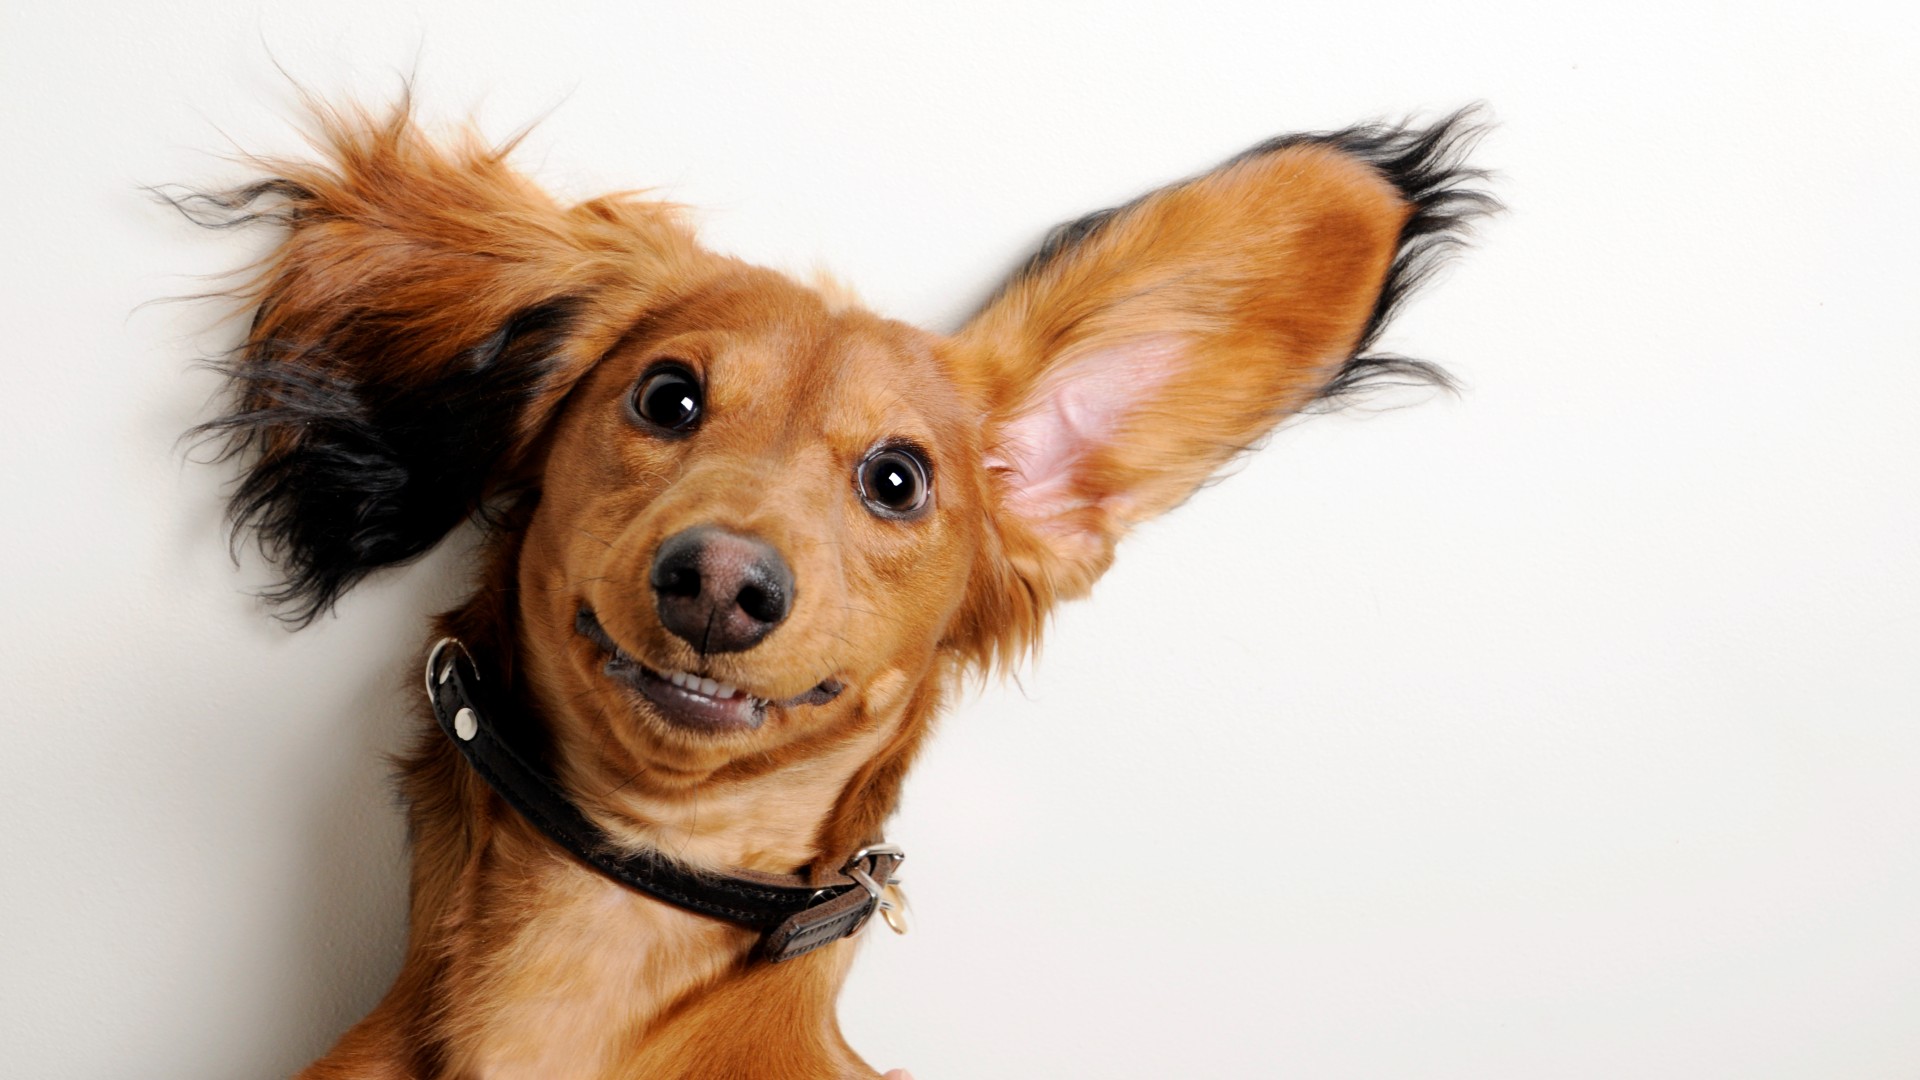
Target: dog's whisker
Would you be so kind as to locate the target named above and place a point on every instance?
(870, 614)
(572, 586)
(605, 543)
(619, 787)
(693, 825)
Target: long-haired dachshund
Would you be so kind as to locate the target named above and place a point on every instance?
(744, 538)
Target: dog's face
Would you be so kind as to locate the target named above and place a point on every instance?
(751, 523)
(760, 489)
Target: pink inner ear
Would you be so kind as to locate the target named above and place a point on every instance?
(1074, 411)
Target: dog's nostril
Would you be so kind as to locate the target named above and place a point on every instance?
(681, 581)
(763, 605)
(676, 565)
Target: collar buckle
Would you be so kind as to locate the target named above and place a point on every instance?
(884, 896)
(841, 912)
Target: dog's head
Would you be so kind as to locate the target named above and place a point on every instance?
(742, 521)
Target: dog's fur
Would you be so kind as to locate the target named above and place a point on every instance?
(435, 339)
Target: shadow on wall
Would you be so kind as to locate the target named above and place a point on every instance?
(320, 835)
(350, 918)
(343, 912)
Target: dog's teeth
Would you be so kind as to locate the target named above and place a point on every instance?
(712, 688)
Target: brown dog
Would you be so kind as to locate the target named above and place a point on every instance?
(744, 539)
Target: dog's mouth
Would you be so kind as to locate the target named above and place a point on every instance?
(688, 699)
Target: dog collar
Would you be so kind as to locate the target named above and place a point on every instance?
(792, 914)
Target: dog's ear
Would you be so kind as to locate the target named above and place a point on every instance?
(1144, 347)
(416, 327)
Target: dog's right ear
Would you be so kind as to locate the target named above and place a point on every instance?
(414, 331)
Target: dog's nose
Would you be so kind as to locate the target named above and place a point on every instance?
(720, 591)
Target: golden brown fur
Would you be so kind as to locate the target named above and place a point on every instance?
(433, 318)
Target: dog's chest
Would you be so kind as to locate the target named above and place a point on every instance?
(573, 978)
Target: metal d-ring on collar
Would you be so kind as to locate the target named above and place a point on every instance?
(465, 722)
(794, 915)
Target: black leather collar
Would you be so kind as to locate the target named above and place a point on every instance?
(793, 915)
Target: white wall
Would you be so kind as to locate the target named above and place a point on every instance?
(1564, 729)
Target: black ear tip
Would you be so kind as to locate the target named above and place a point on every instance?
(348, 472)
(296, 603)
(1428, 165)
(290, 499)
(273, 201)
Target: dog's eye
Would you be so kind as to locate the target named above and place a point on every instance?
(669, 398)
(894, 482)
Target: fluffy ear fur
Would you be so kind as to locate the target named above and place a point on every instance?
(1145, 346)
(426, 311)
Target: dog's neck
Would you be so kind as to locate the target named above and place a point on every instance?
(773, 821)
(567, 972)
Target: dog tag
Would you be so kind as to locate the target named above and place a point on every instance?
(893, 907)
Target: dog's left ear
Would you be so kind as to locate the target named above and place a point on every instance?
(425, 313)
(1144, 347)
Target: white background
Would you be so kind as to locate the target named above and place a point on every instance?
(1563, 729)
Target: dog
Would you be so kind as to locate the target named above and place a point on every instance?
(743, 539)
